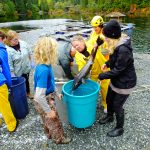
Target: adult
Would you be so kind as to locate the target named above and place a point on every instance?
(19, 54)
(97, 24)
(122, 75)
(83, 52)
(66, 56)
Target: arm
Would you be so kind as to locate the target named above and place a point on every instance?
(121, 64)
(65, 64)
(79, 58)
(40, 97)
(107, 63)
(6, 69)
(10, 61)
(41, 88)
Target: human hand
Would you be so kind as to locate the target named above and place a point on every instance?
(104, 68)
(72, 52)
(99, 81)
(60, 97)
(99, 41)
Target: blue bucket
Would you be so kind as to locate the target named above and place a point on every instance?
(18, 98)
(81, 103)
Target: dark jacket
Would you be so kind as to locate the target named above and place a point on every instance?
(64, 57)
(121, 63)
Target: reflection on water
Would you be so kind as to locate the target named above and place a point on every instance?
(141, 34)
(20, 28)
(81, 91)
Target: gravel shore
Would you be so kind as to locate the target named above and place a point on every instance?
(30, 135)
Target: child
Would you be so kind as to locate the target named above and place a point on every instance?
(122, 75)
(45, 54)
(5, 83)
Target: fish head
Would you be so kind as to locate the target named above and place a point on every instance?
(76, 83)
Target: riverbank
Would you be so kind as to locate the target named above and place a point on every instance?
(30, 136)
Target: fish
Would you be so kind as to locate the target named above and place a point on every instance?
(80, 77)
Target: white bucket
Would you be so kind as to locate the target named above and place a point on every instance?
(60, 105)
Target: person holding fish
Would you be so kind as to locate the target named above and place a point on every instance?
(97, 24)
(122, 75)
(83, 54)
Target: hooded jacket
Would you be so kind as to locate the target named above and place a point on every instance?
(5, 77)
(99, 60)
(121, 63)
(64, 57)
(19, 61)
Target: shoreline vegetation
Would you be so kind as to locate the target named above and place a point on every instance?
(13, 10)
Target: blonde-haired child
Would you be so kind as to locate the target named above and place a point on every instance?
(45, 54)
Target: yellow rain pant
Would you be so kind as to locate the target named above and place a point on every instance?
(5, 109)
(104, 89)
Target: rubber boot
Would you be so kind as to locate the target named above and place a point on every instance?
(107, 119)
(118, 130)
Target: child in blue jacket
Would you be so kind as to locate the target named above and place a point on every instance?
(45, 54)
(5, 83)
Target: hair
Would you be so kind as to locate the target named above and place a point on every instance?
(101, 25)
(113, 43)
(10, 35)
(77, 38)
(45, 51)
(2, 34)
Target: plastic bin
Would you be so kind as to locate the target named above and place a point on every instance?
(18, 98)
(81, 103)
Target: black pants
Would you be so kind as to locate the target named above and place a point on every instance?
(26, 76)
(115, 101)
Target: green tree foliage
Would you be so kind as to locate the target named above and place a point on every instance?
(2, 11)
(7, 7)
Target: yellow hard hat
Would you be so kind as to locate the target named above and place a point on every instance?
(96, 21)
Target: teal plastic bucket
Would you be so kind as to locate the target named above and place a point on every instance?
(81, 103)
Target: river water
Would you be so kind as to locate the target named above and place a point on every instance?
(141, 34)
(36, 28)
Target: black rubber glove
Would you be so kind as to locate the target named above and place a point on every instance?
(99, 41)
(85, 52)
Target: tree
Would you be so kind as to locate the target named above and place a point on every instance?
(9, 8)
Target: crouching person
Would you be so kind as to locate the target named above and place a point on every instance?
(45, 54)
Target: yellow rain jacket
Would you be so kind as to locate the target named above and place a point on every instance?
(103, 47)
(81, 60)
